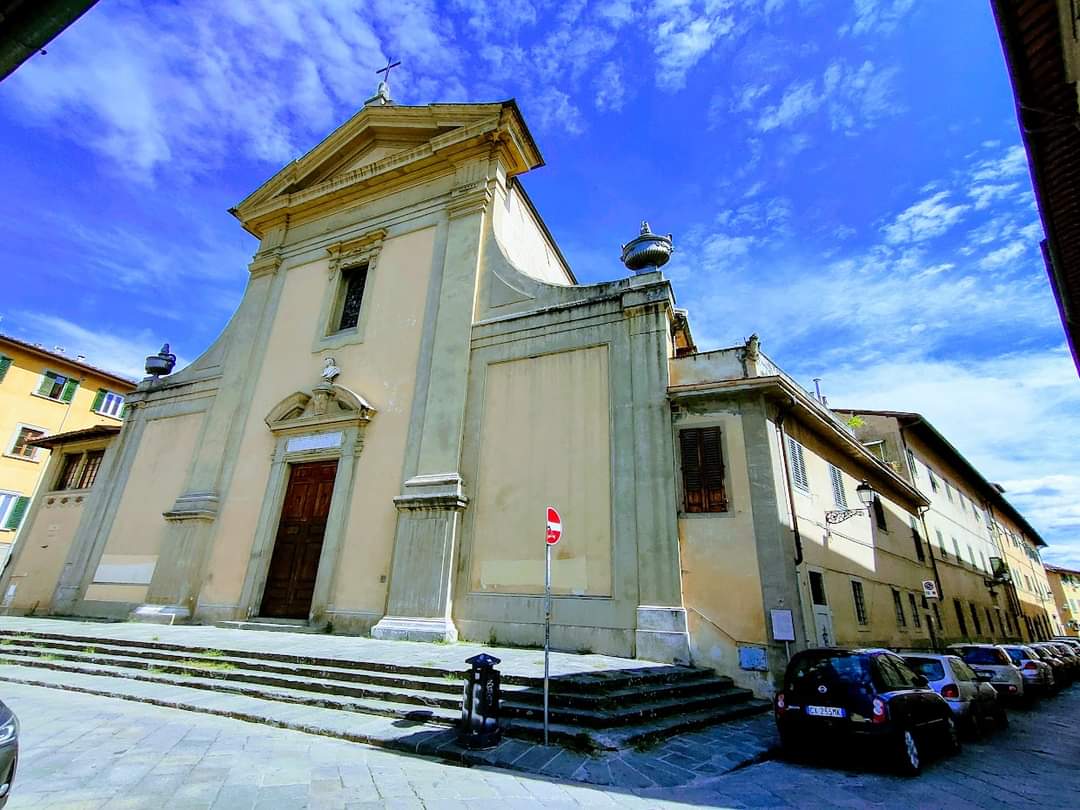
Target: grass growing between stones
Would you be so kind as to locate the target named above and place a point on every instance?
(215, 665)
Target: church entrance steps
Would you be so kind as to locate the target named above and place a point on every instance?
(594, 709)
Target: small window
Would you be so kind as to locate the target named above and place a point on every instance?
(960, 617)
(879, 514)
(90, 469)
(971, 555)
(948, 491)
(860, 601)
(12, 509)
(20, 447)
(69, 471)
(798, 465)
(911, 466)
(702, 470)
(937, 616)
(353, 281)
(956, 548)
(877, 448)
(933, 479)
(57, 386)
(975, 618)
(916, 538)
(989, 622)
(817, 588)
(985, 565)
(108, 404)
(839, 496)
(941, 544)
(898, 605)
(915, 618)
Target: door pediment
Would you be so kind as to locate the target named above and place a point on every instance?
(326, 406)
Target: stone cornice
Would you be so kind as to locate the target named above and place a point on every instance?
(362, 250)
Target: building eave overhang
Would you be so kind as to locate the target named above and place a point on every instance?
(462, 126)
(95, 433)
(918, 423)
(809, 412)
(123, 383)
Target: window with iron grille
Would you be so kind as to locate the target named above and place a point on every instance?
(353, 280)
(859, 599)
(915, 618)
(798, 465)
(69, 471)
(839, 496)
(90, 469)
(898, 605)
(702, 470)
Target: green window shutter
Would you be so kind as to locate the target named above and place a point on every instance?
(124, 411)
(69, 390)
(5, 364)
(46, 385)
(17, 512)
(99, 397)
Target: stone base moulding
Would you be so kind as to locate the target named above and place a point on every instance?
(160, 614)
(662, 635)
(399, 628)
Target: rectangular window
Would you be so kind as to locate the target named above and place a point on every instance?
(353, 280)
(57, 386)
(12, 508)
(898, 605)
(860, 601)
(911, 466)
(916, 538)
(933, 480)
(985, 565)
(941, 544)
(937, 617)
(798, 465)
(975, 618)
(989, 623)
(948, 491)
(69, 471)
(839, 496)
(956, 548)
(108, 404)
(877, 448)
(20, 447)
(915, 618)
(90, 469)
(817, 588)
(5, 364)
(960, 620)
(971, 555)
(879, 514)
(702, 470)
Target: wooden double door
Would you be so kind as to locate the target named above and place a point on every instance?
(290, 583)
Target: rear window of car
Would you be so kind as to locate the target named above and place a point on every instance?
(813, 669)
(986, 656)
(1016, 654)
(929, 668)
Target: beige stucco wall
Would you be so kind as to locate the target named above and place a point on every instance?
(544, 440)
(381, 368)
(523, 239)
(44, 546)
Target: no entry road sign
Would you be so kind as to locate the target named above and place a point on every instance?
(554, 526)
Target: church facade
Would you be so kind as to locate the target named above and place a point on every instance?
(412, 376)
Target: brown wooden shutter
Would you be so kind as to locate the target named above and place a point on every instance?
(712, 464)
(690, 447)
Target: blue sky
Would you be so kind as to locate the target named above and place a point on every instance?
(844, 178)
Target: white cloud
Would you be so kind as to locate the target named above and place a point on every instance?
(1005, 256)
(877, 16)
(798, 101)
(858, 98)
(924, 220)
(1011, 164)
(553, 109)
(685, 31)
(986, 194)
(610, 93)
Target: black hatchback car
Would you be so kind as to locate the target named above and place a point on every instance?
(865, 696)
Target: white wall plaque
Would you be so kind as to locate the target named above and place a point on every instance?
(783, 627)
(316, 441)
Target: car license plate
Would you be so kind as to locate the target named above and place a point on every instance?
(825, 711)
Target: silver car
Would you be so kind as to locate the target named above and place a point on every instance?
(990, 659)
(1037, 674)
(974, 702)
(9, 751)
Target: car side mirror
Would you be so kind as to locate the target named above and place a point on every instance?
(984, 677)
(921, 682)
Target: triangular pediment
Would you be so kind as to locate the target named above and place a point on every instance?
(327, 405)
(383, 141)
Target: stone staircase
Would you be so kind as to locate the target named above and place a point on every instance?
(607, 709)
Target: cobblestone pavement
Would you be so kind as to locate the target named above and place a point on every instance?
(81, 751)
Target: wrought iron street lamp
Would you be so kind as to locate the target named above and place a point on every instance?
(866, 498)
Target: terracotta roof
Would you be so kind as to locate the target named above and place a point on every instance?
(1047, 109)
(1058, 569)
(990, 491)
(69, 361)
(85, 434)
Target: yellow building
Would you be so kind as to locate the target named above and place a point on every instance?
(44, 392)
(1065, 586)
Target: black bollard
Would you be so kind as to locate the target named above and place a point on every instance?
(480, 707)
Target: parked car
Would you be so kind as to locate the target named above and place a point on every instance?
(1038, 674)
(974, 702)
(987, 658)
(871, 697)
(9, 751)
(1061, 669)
(1072, 642)
(1068, 654)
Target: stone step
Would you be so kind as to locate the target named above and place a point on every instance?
(640, 711)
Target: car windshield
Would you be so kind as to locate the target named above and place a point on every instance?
(985, 656)
(1016, 654)
(929, 668)
(810, 670)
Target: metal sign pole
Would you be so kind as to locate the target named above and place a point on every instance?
(547, 631)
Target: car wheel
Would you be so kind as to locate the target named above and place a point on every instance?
(909, 760)
(952, 737)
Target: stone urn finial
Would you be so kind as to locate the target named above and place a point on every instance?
(160, 364)
(648, 252)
